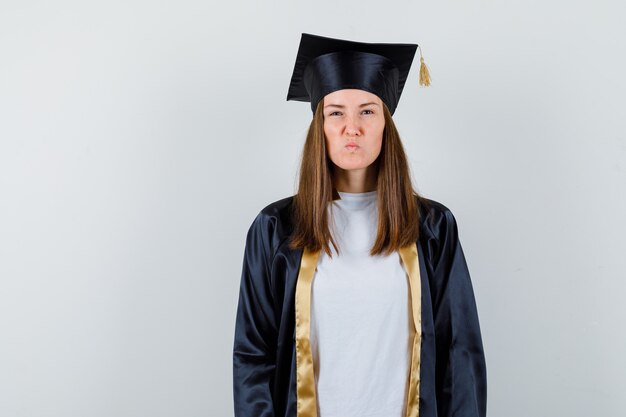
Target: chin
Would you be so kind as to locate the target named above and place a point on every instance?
(349, 166)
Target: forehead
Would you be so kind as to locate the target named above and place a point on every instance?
(351, 96)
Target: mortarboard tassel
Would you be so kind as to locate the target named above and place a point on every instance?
(424, 73)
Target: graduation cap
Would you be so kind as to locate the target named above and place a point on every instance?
(324, 65)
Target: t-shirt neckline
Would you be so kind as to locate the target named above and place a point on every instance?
(360, 196)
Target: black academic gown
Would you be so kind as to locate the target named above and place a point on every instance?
(452, 372)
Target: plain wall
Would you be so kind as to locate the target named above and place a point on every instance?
(139, 139)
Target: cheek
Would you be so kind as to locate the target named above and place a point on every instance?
(377, 143)
(333, 139)
(330, 130)
(376, 147)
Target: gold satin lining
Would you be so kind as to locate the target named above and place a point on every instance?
(410, 260)
(306, 390)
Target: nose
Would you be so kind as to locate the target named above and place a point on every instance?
(353, 127)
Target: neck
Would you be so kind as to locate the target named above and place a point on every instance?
(355, 180)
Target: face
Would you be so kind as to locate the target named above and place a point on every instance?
(354, 125)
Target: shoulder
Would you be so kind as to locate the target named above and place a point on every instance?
(438, 232)
(433, 210)
(274, 222)
(278, 208)
(436, 219)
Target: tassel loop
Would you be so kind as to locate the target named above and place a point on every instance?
(424, 72)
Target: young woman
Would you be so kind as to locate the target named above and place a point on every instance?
(355, 297)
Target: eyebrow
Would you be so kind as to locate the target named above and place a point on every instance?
(341, 107)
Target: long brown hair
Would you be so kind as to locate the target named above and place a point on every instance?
(398, 203)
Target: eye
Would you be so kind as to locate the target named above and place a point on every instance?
(333, 113)
(368, 110)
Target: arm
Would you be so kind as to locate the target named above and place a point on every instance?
(255, 328)
(461, 370)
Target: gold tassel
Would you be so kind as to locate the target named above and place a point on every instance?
(424, 73)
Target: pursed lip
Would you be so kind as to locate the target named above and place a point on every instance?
(352, 145)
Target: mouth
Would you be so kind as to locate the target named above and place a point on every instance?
(352, 146)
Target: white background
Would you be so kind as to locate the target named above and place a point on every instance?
(138, 140)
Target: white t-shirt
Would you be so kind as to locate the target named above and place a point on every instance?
(360, 318)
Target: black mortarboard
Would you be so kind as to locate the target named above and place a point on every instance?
(324, 65)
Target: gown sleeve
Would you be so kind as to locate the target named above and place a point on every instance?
(460, 363)
(254, 346)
